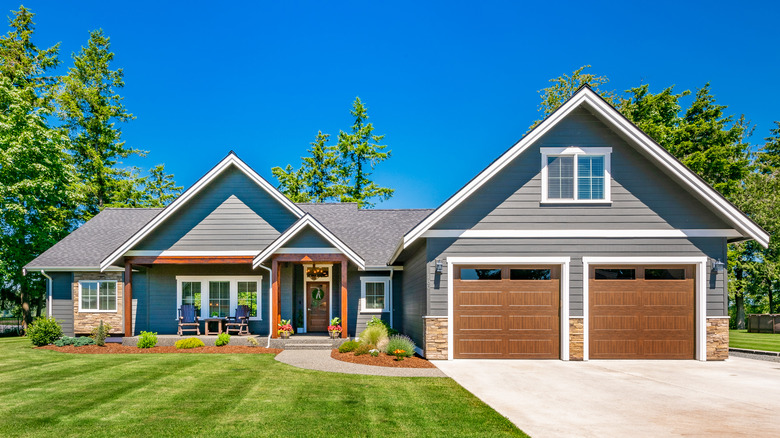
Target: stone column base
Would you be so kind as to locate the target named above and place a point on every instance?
(576, 338)
(436, 346)
(718, 338)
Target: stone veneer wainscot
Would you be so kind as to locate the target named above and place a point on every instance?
(576, 339)
(435, 337)
(84, 322)
(718, 338)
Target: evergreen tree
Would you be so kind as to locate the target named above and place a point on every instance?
(90, 108)
(292, 183)
(320, 170)
(360, 154)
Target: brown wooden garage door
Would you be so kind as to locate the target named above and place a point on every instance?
(641, 312)
(506, 312)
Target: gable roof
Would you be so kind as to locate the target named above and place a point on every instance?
(231, 160)
(87, 246)
(657, 153)
(308, 220)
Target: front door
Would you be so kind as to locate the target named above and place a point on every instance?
(317, 307)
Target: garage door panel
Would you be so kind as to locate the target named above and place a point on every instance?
(498, 317)
(648, 316)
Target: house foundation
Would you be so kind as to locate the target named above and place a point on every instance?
(718, 338)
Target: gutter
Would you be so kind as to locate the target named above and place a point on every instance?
(270, 293)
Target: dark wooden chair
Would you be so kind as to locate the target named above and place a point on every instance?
(188, 319)
(240, 322)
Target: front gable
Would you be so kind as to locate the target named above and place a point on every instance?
(230, 210)
(642, 198)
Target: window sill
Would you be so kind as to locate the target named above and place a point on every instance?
(97, 311)
(374, 311)
(575, 202)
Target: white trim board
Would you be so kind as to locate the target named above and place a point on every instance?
(306, 281)
(231, 159)
(233, 289)
(574, 151)
(564, 316)
(169, 253)
(700, 304)
(640, 233)
(388, 285)
(309, 220)
(586, 96)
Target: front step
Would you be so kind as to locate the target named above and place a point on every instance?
(307, 342)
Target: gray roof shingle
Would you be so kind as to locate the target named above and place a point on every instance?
(373, 234)
(88, 245)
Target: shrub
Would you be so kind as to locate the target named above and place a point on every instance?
(374, 321)
(189, 343)
(65, 340)
(76, 342)
(252, 341)
(400, 342)
(222, 339)
(83, 340)
(364, 349)
(147, 340)
(348, 346)
(374, 352)
(100, 333)
(44, 331)
(375, 334)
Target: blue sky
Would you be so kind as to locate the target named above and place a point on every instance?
(452, 84)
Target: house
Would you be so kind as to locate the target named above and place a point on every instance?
(584, 240)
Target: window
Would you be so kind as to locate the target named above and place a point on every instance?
(665, 274)
(615, 274)
(190, 294)
(220, 295)
(375, 294)
(97, 296)
(576, 174)
(247, 296)
(480, 274)
(529, 274)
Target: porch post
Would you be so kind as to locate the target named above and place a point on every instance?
(127, 298)
(275, 296)
(344, 298)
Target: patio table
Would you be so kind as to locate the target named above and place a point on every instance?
(219, 322)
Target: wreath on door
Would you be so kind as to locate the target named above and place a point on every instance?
(317, 295)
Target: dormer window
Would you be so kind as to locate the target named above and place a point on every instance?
(576, 175)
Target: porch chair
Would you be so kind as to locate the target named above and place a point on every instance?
(240, 322)
(188, 319)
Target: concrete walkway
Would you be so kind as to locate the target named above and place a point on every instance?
(650, 398)
(320, 360)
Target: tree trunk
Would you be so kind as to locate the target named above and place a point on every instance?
(26, 317)
(771, 295)
(739, 301)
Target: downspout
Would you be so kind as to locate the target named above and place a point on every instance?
(48, 290)
(270, 297)
(392, 288)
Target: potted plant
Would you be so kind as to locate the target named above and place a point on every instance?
(335, 328)
(285, 329)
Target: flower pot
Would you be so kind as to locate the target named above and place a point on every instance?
(335, 334)
(284, 335)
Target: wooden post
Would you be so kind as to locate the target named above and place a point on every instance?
(127, 299)
(344, 298)
(275, 298)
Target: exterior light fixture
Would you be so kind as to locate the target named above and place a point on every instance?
(439, 266)
(718, 266)
(314, 272)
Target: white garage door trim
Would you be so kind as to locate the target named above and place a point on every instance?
(563, 261)
(701, 293)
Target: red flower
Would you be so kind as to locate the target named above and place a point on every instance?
(334, 328)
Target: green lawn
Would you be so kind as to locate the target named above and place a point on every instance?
(754, 341)
(47, 393)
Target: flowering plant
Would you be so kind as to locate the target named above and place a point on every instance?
(284, 326)
(399, 354)
(374, 352)
(335, 321)
(334, 328)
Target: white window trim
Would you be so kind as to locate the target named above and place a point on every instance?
(116, 296)
(575, 151)
(204, 292)
(388, 283)
(306, 281)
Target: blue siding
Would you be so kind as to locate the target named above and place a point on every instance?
(62, 300)
(307, 238)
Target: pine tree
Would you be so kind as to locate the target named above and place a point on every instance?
(319, 170)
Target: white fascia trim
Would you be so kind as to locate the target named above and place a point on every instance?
(563, 261)
(76, 268)
(309, 220)
(190, 253)
(572, 151)
(700, 300)
(582, 233)
(307, 251)
(589, 97)
(231, 159)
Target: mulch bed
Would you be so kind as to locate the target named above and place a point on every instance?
(126, 349)
(383, 360)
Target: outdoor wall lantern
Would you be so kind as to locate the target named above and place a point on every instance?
(718, 266)
(439, 266)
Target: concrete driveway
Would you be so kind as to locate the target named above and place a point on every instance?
(628, 398)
